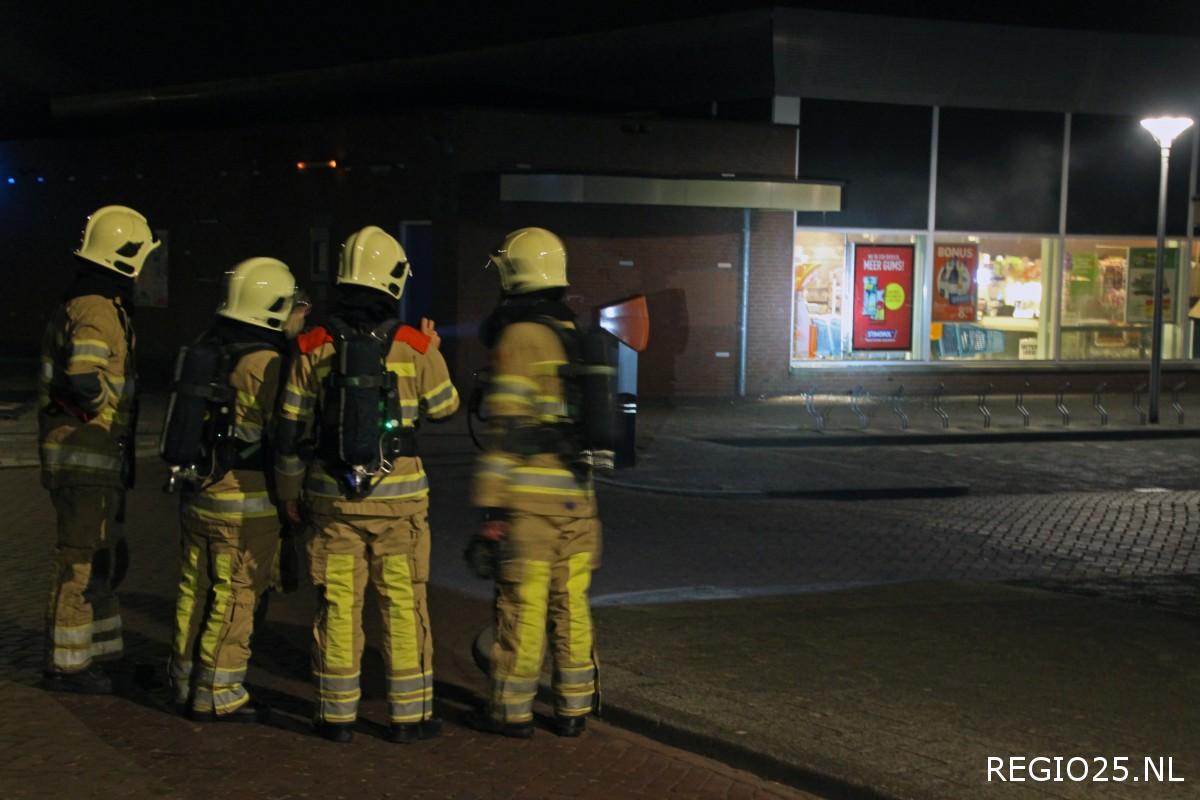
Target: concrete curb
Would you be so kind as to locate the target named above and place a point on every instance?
(803, 778)
(765, 766)
(873, 493)
(968, 437)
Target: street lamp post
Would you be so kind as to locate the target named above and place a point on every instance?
(1164, 130)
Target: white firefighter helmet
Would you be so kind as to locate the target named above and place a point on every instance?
(117, 238)
(373, 258)
(259, 291)
(531, 259)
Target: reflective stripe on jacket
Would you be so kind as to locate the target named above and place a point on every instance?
(86, 392)
(526, 392)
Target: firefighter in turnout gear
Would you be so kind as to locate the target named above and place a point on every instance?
(539, 508)
(86, 398)
(347, 444)
(229, 522)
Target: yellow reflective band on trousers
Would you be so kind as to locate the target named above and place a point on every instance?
(107, 641)
(402, 613)
(222, 590)
(547, 481)
(231, 506)
(228, 694)
(575, 681)
(407, 697)
(185, 606)
(339, 611)
(579, 578)
(392, 487)
(338, 696)
(533, 593)
(514, 688)
(72, 647)
(410, 699)
(219, 690)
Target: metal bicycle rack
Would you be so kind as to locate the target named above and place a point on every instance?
(856, 395)
(1098, 403)
(1061, 403)
(810, 402)
(1137, 403)
(1021, 405)
(983, 406)
(1175, 402)
(898, 407)
(937, 405)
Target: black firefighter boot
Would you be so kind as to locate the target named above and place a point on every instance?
(87, 681)
(339, 732)
(569, 727)
(249, 711)
(481, 720)
(409, 732)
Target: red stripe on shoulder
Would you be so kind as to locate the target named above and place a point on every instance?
(310, 341)
(413, 338)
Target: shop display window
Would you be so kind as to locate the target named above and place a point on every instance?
(819, 267)
(991, 298)
(1108, 299)
(829, 308)
(1194, 301)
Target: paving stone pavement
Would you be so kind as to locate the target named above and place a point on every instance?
(1035, 523)
(133, 745)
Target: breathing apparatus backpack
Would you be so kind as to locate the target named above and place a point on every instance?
(360, 424)
(588, 378)
(198, 440)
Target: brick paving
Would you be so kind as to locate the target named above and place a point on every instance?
(1058, 515)
(132, 745)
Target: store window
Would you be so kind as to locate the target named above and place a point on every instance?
(991, 298)
(855, 296)
(1108, 299)
(1194, 301)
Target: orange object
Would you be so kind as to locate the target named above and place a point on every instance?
(628, 320)
(812, 340)
(935, 332)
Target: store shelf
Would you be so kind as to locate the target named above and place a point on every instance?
(1011, 324)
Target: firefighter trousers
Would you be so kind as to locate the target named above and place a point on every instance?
(224, 569)
(392, 553)
(83, 618)
(545, 570)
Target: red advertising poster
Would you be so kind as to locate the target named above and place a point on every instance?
(954, 288)
(883, 289)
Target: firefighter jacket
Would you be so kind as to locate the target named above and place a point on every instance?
(525, 393)
(423, 380)
(242, 492)
(86, 393)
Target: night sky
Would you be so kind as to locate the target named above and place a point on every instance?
(100, 49)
